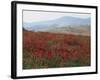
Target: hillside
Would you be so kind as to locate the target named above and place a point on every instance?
(57, 23)
(77, 30)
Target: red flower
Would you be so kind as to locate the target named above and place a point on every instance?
(64, 55)
(49, 55)
(39, 53)
(75, 55)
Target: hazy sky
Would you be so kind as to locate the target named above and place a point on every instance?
(35, 16)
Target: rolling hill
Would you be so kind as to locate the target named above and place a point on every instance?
(65, 24)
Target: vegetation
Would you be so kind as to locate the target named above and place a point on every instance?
(53, 50)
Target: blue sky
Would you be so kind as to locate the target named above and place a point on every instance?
(36, 16)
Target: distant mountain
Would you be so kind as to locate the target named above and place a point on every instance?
(60, 22)
(77, 30)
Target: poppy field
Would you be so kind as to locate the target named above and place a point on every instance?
(55, 50)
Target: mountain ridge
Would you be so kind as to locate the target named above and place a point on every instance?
(59, 22)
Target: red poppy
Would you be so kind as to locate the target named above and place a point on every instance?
(64, 55)
(75, 55)
(49, 55)
(39, 53)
